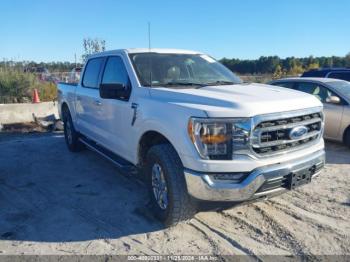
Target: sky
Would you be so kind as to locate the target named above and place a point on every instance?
(51, 30)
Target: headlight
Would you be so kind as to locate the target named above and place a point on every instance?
(219, 138)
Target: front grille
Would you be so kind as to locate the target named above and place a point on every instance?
(273, 135)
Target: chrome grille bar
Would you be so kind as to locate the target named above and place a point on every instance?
(271, 133)
(281, 127)
(281, 142)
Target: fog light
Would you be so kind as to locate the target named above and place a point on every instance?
(229, 177)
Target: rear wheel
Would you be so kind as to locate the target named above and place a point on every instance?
(171, 203)
(70, 134)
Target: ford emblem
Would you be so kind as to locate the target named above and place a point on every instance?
(298, 132)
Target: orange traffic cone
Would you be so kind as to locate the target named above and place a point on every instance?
(36, 98)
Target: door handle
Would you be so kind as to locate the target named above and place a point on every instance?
(134, 106)
(98, 102)
(79, 98)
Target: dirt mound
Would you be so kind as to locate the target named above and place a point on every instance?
(23, 128)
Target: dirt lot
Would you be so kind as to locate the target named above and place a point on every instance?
(56, 202)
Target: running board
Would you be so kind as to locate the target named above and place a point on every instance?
(123, 165)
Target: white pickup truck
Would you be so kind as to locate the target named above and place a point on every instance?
(192, 129)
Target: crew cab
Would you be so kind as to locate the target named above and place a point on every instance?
(192, 129)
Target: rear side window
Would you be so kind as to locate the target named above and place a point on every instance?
(92, 72)
(289, 85)
(340, 75)
(115, 72)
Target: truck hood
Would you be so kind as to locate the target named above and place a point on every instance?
(241, 100)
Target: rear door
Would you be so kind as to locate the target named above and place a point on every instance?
(333, 112)
(87, 99)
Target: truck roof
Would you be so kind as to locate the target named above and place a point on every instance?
(160, 50)
(146, 50)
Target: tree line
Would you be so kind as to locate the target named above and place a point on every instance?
(90, 46)
(23, 65)
(283, 66)
(264, 65)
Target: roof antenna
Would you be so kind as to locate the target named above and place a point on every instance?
(149, 50)
(149, 36)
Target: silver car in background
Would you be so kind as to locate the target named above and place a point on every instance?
(335, 96)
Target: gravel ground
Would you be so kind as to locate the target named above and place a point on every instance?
(56, 202)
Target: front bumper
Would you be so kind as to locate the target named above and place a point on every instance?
(202, 186)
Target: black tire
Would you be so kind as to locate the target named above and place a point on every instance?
(70, 134)
(180, 206)
(347, 137)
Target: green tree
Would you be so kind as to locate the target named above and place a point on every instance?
(278, 72)
(347, 60)
(313, 65)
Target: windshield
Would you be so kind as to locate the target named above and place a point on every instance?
(181, 70)
(342, 87)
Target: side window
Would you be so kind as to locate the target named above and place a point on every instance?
(340, 75)
(115, 72)
(289, 85)
(319, 91)
(92, 72)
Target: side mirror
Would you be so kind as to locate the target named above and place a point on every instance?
(333, 100)
(114, 91)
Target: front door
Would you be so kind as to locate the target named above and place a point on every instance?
(115, 114)
(333, 112)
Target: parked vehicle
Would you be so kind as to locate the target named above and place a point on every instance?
(74, 75)
(335, 96)
(193, 129)
(337, 73)
(42, 72)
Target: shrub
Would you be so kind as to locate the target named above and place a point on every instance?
(17, 87)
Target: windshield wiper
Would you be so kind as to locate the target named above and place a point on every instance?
(183, 84)
(220, 83)
(196, 84)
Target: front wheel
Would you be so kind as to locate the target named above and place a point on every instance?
(171, 203)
